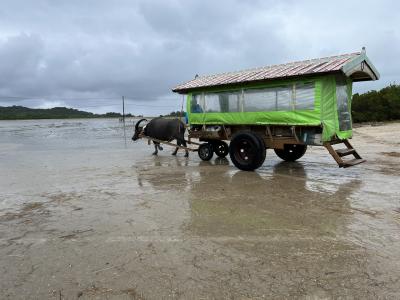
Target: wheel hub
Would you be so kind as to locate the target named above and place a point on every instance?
(245, 151)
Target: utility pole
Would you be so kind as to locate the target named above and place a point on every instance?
(123, 117)
(123, 109)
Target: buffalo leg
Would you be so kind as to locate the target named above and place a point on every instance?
(155, 149)
(176, 149)
(186, 151)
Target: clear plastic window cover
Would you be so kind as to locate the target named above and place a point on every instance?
(284, 98)
(343, 106)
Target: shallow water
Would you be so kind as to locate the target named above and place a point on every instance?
(86, 213)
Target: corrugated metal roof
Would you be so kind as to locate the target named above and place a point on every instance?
(298, 68)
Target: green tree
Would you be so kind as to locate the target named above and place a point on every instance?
(376, 106)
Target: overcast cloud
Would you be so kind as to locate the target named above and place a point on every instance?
(87, 54)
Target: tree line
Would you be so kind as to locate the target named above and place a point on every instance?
(22, 113)
(377, 106)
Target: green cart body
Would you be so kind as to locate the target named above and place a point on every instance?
(301, 103)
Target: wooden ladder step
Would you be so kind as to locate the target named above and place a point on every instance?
(334, 142)
(352, 162)
(345, 152)
(339, 153)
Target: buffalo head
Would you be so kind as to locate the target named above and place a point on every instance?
(138, 130)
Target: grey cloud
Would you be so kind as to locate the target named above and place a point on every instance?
(21, 60)
(141, 49)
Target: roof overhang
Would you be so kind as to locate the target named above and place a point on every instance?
(361, 69)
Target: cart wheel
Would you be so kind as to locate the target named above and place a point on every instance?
(247, 151)
(205, 151)
(291, 152)
(221, 148)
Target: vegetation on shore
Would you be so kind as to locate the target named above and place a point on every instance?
(22, 113)
(377, 106)
(373, 106)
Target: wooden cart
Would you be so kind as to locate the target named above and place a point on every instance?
(282, 107)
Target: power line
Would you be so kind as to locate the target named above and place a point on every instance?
(56, 98)
(147, 105)
(27, 98)
(98, 106)
(128, 102)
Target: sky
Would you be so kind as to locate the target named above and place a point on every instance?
(87, 54)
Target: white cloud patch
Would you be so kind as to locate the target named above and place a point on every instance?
(51, 104)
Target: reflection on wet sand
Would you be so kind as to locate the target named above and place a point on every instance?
(277, 230)
(155, 174)
(228, 202)
(248, 204)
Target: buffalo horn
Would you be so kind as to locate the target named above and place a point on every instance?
(138, 122)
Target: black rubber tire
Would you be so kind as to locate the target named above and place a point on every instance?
(291, 152)
(247, 150)
(205, 151)
(221, 149)
(264, 150)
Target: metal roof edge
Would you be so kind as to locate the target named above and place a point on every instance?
(358, 60)
(244, 84)
(372, 67)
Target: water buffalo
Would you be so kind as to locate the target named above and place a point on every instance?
(164, 130)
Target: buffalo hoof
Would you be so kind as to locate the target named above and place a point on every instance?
(187, 155)
(174, 153)
(154, 153)
(160, 148)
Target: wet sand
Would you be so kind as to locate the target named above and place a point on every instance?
(85, 215)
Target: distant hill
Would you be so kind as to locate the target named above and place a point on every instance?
(22, 113)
